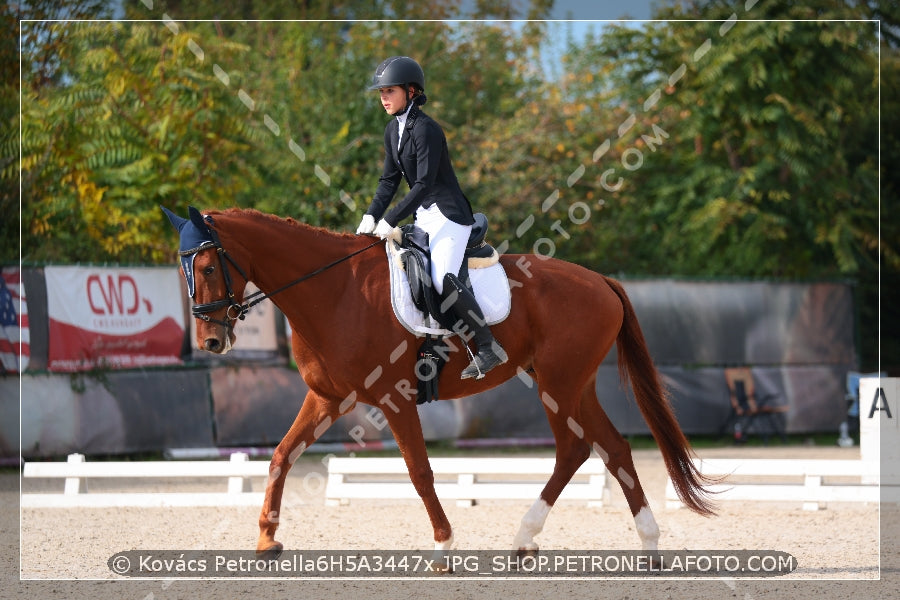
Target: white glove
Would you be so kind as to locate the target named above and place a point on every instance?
(367, 225)
(385, 230)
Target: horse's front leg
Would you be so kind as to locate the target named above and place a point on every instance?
(403, 419)
(316, 414)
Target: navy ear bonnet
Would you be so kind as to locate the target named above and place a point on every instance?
(195, 236)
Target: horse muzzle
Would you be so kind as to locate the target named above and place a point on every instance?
(215, 335)
(218, 344)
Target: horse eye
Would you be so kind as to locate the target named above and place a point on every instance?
(209, 270)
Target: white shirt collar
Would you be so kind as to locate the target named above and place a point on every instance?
(401, 123)
(402, 118)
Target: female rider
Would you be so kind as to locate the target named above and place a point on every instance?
(416, 150)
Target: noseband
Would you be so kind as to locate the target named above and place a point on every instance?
(234, 309)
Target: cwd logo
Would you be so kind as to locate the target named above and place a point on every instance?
(115, 295)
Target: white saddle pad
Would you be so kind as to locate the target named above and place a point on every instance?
(489, 283)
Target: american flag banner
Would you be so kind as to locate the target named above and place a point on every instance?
(14, 340)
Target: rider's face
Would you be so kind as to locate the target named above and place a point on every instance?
(392, 99)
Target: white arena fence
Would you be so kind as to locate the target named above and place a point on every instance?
(775, 479)
(473, 479)
(237, 470)
(466, 480)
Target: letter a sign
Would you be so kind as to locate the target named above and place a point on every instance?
(882, 399)
(879, 434)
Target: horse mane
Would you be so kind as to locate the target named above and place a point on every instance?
(257, 215)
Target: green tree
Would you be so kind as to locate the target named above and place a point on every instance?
(120, 117)
(134, 124)
(39, 53)
(769, 162)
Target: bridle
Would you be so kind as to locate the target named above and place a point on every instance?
(234, 309)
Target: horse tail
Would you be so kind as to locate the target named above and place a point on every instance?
(636, 365)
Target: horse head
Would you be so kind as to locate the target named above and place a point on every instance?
(216, 291)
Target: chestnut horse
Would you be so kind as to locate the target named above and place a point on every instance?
(350, 348)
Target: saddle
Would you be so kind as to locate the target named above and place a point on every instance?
(416, 260)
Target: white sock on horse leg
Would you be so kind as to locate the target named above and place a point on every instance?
(445, 545)
(532, 524)
(647, 528)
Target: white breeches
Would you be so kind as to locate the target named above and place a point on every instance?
(447, 242)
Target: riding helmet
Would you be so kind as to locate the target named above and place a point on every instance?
(398, 70)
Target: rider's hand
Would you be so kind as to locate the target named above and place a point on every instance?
(385, 230)
(367, 225)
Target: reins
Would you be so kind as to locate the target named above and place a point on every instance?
(307, 276)
(238, 311)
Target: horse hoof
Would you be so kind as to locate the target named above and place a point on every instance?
(441, 569)
(523, 553)
(272, 552)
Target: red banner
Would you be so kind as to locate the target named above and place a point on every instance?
(113, 317)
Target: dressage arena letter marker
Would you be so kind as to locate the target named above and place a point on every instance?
(879, 393)
(879, 432)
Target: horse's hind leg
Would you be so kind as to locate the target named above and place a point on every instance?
(571, 452)
(602, 436)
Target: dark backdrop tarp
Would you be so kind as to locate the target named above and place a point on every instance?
(256, 405)
(745, 323)
(126, 412)
(814, 396)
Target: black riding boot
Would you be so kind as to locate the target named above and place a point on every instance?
(471, 324)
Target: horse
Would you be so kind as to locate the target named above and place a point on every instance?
(333, 289)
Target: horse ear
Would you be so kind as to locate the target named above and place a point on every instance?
(197, 219)
(177, 222)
